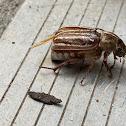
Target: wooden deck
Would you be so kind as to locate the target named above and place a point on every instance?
(20, 71)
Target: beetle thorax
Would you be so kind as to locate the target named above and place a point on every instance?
(108, 41)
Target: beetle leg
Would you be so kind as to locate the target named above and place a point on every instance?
(106, 64)
(89, 70)
(115, 58)
(70, 61)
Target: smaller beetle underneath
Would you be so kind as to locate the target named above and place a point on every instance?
(75, 44)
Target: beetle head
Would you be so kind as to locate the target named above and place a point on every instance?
(120, 49)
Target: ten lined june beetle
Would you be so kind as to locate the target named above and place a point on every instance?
(75, 44)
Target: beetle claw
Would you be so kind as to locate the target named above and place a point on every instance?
(111, 67)
(80, 83)
(54, 69)
(110, 75)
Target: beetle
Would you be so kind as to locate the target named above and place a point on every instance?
(75, 44)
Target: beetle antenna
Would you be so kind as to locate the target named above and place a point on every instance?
(43, 42)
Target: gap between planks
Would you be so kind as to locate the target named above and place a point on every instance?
(58, 73)
(26, 54)
(55, 78)
(79, 73)
(95, 83)
(116, 88)
(117, 79)
(68, 100)
(41, 63)
(43, 60)
(58, 70)
(97, 78)
(114, 95)
(76, 76)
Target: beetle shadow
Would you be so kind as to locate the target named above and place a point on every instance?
(72, 70)
(83, 68)
(77, 67)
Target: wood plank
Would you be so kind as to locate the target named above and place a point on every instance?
(76, 13)
(22, 31)
(29, 69)
(93, 12)
(62, 88)
(1, 1)
(81, 94)
(42, 79)
(118, 112)
(8, 9)
(8, 109)
(118, 115)
(98, 111)
(78, 101)
(71, 116)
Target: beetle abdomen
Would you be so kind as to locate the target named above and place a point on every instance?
(74, 42)
(62, 56)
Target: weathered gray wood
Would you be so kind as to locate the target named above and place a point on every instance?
(92, 14)
(98, 111)
(22, 31)
(82, 100)
(42, 79)
(78, 103)
(81, 94)
(75, 14)
(54, 91)
(118, 113)
(61, 89)
(30, 66)
(1, 1)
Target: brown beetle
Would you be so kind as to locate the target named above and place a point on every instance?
(74, 44)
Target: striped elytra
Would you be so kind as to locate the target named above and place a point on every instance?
(75, 42)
